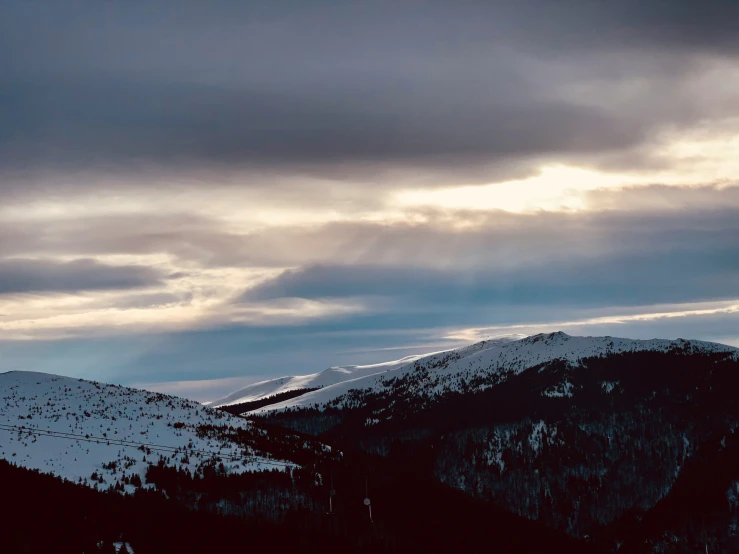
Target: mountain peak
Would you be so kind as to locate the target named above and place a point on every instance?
(557, 336)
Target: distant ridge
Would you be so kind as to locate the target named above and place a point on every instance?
(479, 360)
(328, 377)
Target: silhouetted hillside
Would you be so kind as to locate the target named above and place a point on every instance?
(238, 409)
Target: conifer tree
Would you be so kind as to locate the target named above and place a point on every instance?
(107, 548)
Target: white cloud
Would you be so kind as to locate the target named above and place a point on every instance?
(617, 318)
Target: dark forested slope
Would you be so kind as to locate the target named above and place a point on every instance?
(578, 445)
(410, 515)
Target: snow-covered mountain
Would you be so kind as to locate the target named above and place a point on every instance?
(328, 377)
(576, 432)
(75, 428)
(480, 365)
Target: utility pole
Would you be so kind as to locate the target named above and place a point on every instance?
(366, 498)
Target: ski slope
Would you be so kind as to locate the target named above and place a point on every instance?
(92, 414)
(451, 369)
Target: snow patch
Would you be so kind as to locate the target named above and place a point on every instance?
(562, 390)
(608, 386)
(535, 438)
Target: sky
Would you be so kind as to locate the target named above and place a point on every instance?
(199, 195)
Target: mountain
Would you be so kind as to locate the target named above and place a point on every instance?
(598, 437)
(471, 368)
(106, 435)
(202, 479)
(326, 378)
(330, 376)
(549, 443)
(272, 389)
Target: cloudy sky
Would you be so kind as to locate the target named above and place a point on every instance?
(196, 195)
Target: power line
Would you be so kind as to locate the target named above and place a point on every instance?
(106, 441)
(87, 437)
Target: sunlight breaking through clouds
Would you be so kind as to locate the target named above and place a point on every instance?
(481, 333)
(476, 170)
(695, 163)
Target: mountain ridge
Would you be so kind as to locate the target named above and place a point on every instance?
(330, 376)
(577, 432)
(497, 355)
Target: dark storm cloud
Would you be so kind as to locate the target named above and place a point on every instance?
(190, 125)
(678, 24)
(35, 276)
(336, 84)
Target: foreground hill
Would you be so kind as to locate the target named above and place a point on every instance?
(106, 435)
(411, 515)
